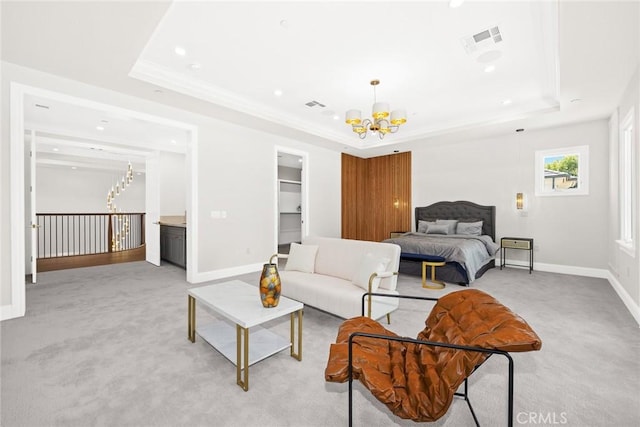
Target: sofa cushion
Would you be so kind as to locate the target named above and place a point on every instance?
(369, 264)
(302, 258)
(333, 295)
(341, 257)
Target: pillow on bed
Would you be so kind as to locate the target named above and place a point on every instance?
(422, 226)
(451, 223)
(470, 228)
(302, 258)
(438, 229)
(368, 265)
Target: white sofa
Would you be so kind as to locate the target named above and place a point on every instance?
(334, 277)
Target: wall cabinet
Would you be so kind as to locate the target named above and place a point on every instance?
(290, 211)
(173, 245)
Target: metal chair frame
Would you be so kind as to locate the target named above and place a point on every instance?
(464, 394)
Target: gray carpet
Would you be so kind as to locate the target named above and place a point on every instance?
(108, 346)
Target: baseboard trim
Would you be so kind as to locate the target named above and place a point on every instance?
(10, 311)
(226, 272)
(631, 305)
(600, 273)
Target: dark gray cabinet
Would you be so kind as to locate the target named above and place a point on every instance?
(173, 245)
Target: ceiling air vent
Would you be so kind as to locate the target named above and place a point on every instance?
(314, 103)
(482, 41)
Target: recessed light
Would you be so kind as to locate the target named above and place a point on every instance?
(173, 141)
(455, 3)
(179, 50)
(195, 66)
(299, 160)
(100, 127)
(506, 102)
(396, 151)
(277, 92)
(73, 167)
(489, 68)
(336, 117)
(576, 100)
(489, 56)
(46, 107)
(138, 173)
(56, 149)
(520, 130)
(158, 91)
(284, 24)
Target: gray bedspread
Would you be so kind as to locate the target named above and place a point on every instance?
(471, 252)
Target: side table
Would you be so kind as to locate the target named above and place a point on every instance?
(522, 243)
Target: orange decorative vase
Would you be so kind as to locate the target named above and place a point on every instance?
(270, 284)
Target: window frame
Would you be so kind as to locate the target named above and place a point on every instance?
(582, 151)
(626, 184)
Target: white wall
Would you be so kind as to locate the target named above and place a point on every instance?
(236, 172)
(64, 190)
(567, 231)
(625, 268)
(239, 177)
(173, 184)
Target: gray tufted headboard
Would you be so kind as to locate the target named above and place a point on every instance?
(462, 211)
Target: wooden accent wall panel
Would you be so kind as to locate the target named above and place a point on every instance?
(376, 196)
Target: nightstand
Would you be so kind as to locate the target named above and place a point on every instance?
(521, 243)
(396, 234)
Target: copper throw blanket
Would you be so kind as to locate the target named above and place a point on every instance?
(418, 382)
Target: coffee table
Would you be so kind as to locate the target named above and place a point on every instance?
(239, 303)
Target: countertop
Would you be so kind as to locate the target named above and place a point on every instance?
(174, 221)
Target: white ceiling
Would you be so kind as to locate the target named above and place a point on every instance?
(551, 53)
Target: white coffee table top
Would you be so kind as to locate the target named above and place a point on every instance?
(240, 302)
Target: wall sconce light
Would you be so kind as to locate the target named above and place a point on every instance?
(519, 201)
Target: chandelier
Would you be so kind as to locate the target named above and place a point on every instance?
(381, 123)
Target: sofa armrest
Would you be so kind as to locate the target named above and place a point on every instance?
(385, 274)
(374, 275)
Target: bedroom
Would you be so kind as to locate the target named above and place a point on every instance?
(469, 165)
(233, 167)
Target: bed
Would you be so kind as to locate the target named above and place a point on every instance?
(467, 256)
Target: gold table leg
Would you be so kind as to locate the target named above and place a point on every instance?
(191, 319)
(437, 284)
(296, 355)
(242, 357)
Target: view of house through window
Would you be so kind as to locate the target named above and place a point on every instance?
(562, 171)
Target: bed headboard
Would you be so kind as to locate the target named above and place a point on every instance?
(462, 211)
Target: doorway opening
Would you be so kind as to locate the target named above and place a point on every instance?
(20, 97)
(291, 199)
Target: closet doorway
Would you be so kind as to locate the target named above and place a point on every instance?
(292, 197)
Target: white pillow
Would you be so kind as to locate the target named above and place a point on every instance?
(368, 265)
(302, 258)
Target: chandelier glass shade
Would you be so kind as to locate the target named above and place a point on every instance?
(382, 121)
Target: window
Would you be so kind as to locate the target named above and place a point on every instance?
(563, 171)
(626, 173)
